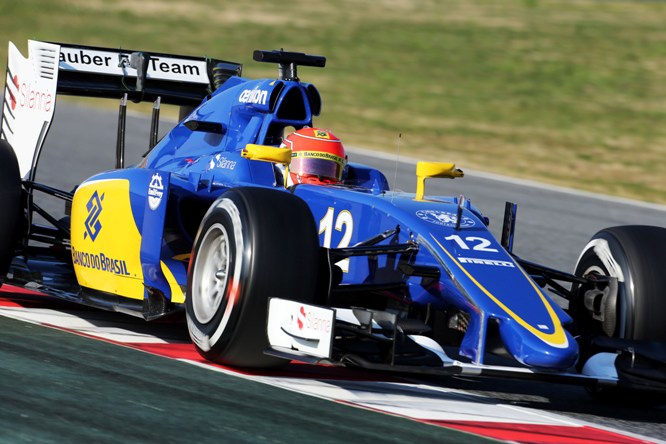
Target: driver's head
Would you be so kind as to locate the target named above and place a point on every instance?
(317, 156)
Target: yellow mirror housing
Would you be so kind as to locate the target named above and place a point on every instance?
(267, 153)
(430, 170)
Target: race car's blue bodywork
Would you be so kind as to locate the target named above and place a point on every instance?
(477, 276)
(133, 231)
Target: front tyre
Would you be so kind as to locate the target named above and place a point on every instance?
(636, 256)
(253, 244)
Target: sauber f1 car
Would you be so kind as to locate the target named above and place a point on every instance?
(349, 274)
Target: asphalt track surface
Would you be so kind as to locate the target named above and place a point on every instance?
(59, 387)
(71, 388)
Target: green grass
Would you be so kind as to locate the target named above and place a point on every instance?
(566, 92)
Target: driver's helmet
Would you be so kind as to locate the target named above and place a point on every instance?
(317, 156)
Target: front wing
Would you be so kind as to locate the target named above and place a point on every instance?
(308, 333)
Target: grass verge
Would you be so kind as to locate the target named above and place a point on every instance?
(569, 93)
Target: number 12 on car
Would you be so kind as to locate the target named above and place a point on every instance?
(344, 222)
(472, 243)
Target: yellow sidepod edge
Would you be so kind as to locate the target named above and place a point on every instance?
(106, 243)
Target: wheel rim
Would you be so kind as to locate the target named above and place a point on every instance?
(618, 325)
(211, 274)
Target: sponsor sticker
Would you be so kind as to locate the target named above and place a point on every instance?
(29, 95)
(309, 322)
(303, 327)
(474, 260)
(155, 191)
(256, 96)
(219, 161)
(318, 155)
(117, 63)
(92, 223)
(444, 218)
(100, 261)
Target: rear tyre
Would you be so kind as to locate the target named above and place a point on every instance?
(10, 203)
(253, 244)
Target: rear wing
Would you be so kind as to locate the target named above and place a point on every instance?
(143, 76)
(32, 83)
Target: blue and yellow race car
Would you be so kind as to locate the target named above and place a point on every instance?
(268, 267)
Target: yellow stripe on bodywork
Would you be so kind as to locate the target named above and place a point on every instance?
(177, 295)
(558, 338)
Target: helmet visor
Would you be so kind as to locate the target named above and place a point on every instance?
(317, 163)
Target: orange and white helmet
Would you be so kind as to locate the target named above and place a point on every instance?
(317, 156)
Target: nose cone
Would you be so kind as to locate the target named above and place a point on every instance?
(539, 351)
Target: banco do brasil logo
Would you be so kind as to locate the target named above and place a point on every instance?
(93, 225)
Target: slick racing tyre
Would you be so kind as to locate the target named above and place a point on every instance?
(636, 256)
(10, 203)
(253, 244)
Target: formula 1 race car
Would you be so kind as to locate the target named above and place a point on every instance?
(350, 273)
